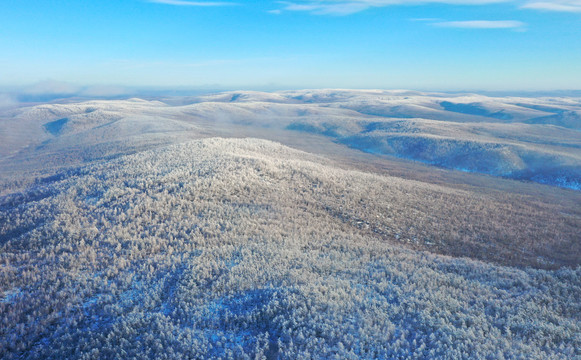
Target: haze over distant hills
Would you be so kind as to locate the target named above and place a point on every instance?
(290, 225)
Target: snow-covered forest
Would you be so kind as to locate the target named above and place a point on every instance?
(145, 229)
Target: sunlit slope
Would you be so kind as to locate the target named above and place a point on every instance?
(537, 139)
(230, 247)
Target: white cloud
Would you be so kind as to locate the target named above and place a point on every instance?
(51, 87)
(192, 3)
(482, 24)
(320, 8)
(54, 88)
(345, 7)
(426, 19)
(104, 90)
(7, 100)
(556, 5)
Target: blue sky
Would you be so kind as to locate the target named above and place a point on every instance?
(423, 45)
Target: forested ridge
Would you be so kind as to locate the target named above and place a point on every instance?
(244, 248)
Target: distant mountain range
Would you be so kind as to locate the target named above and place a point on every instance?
(525, 138)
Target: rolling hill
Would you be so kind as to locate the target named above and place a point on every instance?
(289, 225)
(533, 139)
(218, 248)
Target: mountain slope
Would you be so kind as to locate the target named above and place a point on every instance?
(226, 247)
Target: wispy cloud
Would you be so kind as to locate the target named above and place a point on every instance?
(62, 88)
(482, 24)
(48, 90)
(426, 19)
(7, 100)
(192, 3)
(51, 87)
(346, 7)
(555, 5)
(323, 8)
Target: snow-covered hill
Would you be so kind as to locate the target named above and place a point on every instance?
(537, 139)
(244, 248)
(288, 225)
